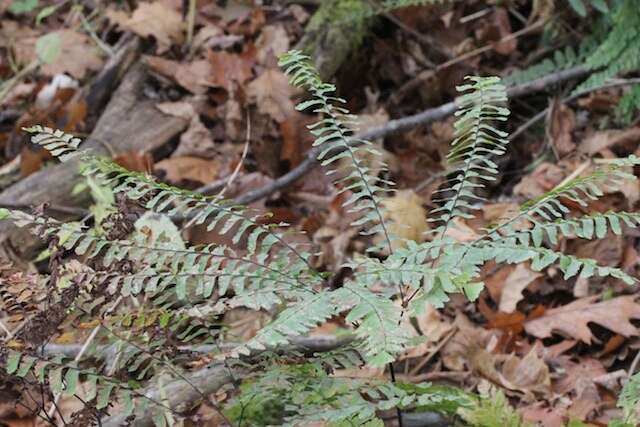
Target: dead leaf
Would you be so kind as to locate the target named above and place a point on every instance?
(521, 277)
(579, 381)
(544, 178)
(271, 92)
(136, 161)
(529, 373)
(408, 219)
(153, 19)
(178, 169)
(547, 417)
(227, 68)
(431, 326)
(503, 23)
(572, 319)
(562, 122)
(273, 42)
(599, 141)
(192, 75)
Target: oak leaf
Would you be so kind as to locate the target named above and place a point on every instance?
(153, 19)
(572, 319)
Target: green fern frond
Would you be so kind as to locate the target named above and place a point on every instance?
(333, 133)
(477, 140)
(194, 271)
(580, 190)
(378, 323)
(511, 251)
(298, 319)
(216, 213)
(629, 399)
(64, 377)
(629, 105)
(620, 52)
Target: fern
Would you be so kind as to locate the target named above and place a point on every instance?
(333, 133)
(629, 105)
(628, 402)
(476, 141)
(620, 51)
(182, 292)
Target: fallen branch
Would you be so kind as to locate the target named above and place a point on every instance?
(405, 123)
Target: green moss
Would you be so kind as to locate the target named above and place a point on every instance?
(336, 29)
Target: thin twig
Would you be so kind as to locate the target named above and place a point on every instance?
(542, 114)
(240, 163)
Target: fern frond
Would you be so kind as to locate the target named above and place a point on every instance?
(477, 140)
(333, 133)
(580, 190)
(629, 399)
(219, 214)
(511, 251)
(298, 319)
(378, 323)
(194, 271)
(620, 52)
(63, 376)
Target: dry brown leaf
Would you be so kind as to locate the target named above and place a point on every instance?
(562, 122)
(192, 75)
(609, 138)
(271, 92)
(503, 23)
(431, 326)
(579, 380)
(227, 68)
(153, 19)
(521, 277)
(408, 219)
(572, 319)
(529, 373)
(187, 168)
(544, 178)
(136, 161)
(273, 42)
(19, 39)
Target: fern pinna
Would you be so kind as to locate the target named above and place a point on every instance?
(180, 293)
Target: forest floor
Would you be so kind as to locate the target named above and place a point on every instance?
(205, 107)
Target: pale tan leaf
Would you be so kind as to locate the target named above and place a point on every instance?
(521, 277)
(77, 56)
(178, 169)
(599, 141)
(271, 92)
(192, 75)
(153, 19)
(408, 219)
(572, 319)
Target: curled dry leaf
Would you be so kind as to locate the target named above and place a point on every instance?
(602, 140)
(562, 122)
(273, 42)
(152, 19)
(521, 277)
(572, 319)
(579, 380)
